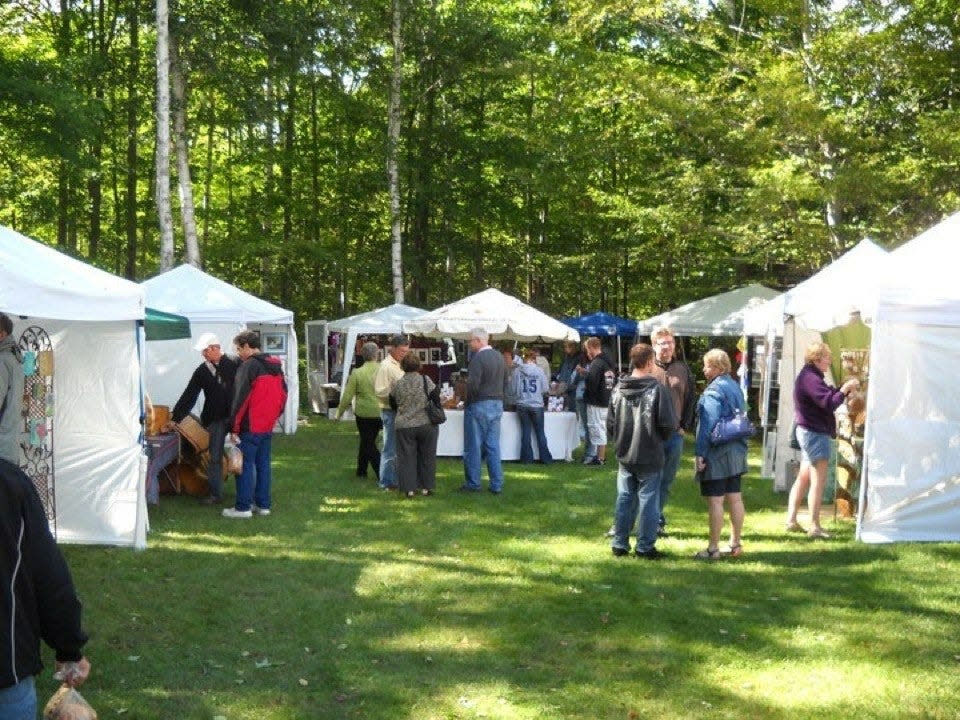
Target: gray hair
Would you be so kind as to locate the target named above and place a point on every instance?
(369, 350)
(481, 334)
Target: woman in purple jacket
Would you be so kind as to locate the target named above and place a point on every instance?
(814, 403)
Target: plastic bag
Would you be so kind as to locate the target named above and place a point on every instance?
(232, 459)
(68, 704)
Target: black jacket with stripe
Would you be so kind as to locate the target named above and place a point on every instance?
(37, 598)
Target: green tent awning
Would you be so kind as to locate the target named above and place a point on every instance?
(161, 325)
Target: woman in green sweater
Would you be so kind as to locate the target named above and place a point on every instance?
(366, 409)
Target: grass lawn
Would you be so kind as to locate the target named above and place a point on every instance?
(352, 603)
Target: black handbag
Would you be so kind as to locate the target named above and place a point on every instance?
(434, 409)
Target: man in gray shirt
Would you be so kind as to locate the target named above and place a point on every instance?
(482, 413)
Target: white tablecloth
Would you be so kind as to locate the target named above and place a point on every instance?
(560, 428)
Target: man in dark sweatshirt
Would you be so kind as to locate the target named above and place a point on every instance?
(37, 599)
(214, 378)
(599, 382)
(641, 419)
(482, 413)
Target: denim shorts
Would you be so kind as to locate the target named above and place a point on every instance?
(814, 446)
(721, 487)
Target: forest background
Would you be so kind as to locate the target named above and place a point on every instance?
(581, 154)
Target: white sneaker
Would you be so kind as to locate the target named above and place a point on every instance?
(234, 513)
(260, 510)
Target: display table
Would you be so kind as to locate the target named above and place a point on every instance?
(162, 450)
(560, 428)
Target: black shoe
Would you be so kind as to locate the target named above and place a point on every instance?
(662, 532)
(651, 554)
(620, 552)
(468, 489)
(595, 461)
(495, 491)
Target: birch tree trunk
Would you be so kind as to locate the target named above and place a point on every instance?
(164, 212)
(133, 104)
(179, 89)
(393, 144)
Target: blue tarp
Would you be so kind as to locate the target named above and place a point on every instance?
(602, 324)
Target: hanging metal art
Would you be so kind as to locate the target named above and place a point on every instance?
(36, 441)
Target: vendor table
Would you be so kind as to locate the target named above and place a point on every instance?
(162, 450)
(560, 428)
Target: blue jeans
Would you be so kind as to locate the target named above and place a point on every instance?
(481, 433)
(388, 456)
(637, 493)
(19, 702)
(672, 450)
(588, 450)
(531, 419)
(256, 461)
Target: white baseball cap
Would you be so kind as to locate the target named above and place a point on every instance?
(205, 341)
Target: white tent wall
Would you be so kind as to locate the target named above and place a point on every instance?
(911, 485)
(910, 490)
(98, 482)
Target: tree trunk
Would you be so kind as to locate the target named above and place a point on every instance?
(130, 205)
(164, 211)
(178, 87)
(393, 143)
(63, 171)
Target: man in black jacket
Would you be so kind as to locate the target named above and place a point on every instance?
(640, 421)
(37, 599)
(600, 379)
(214, 377)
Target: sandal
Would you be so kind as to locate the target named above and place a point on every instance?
(818, 534)
(734, 550)
(708, 554)
(794, 527)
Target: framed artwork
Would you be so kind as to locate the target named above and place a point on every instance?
(275, 343)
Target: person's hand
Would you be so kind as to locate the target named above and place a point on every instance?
(72, 673)
(701, 464)
(169, 426)
(849, 386)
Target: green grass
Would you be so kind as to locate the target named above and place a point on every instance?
(352, 603)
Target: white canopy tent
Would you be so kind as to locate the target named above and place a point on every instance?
(910, 490)
(213, 305)
(503, 316)
(826, 300)
(721, 314)
(382, 321)
(91, 398)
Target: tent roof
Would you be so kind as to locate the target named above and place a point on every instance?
(381, 321)
(716, 315)
(826, 299)
(39, 281)
(921, 282)
(503, 316)
(602, 323)
(188, 291)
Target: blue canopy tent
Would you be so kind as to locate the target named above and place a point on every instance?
(603, 324)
